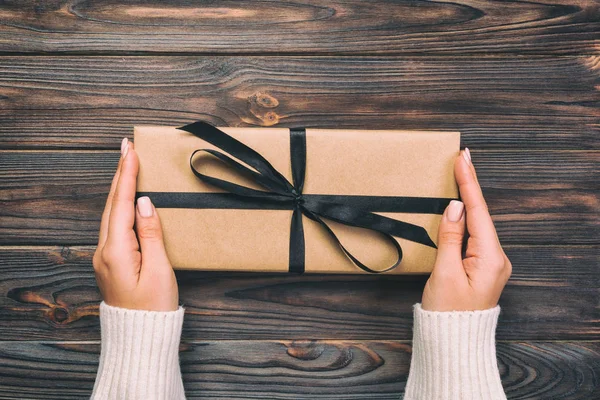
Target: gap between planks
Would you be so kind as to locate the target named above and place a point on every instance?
(324, 54)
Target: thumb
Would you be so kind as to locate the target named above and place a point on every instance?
(149, 232)
(451, 235)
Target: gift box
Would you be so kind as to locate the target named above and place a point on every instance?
(298, 200)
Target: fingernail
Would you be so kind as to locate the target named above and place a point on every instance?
(124, 147)
(467, 155)
(455, 210)
(144, 206)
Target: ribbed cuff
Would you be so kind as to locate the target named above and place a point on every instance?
(140, 354)
(454, 356)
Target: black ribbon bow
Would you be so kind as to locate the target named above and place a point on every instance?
(350, 210)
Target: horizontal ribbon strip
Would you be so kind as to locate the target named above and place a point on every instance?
(404, 204)
(350, 210)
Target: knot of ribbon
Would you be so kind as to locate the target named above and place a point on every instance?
(352, 210)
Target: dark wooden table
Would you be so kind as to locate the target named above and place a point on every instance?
(520, 80)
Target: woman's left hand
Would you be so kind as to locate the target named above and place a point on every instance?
(131, 264)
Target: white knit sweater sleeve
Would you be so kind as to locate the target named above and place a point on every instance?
(139, 358)
(454, 356)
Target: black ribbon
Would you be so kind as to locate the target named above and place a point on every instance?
(350, 210)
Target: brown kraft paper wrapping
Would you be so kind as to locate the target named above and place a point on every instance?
(338, 161)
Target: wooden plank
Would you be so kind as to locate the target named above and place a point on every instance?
(348, 27)
(50, 293)
(299, 369)
(57, 197)
(497, 102)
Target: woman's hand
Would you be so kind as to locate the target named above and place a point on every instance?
(474, 282)
(133, 271)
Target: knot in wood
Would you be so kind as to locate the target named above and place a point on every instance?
(60, 315)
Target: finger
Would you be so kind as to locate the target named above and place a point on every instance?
(470, 163)
(122, 213)
(479, 221)
(450, 238)
(106, 213)
(150, 236)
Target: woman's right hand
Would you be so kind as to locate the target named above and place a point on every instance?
(476, 281)
(131, 263)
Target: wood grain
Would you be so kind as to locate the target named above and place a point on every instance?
(299, 369)
(340, 27)
(497, 103)
(520, 80)
(49, 293)
(57, 197)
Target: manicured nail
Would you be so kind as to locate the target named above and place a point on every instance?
(124, 148)
(467, 155)
(144, 206)
(455, 210)
(123, 145)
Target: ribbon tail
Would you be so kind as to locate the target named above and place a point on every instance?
(368, 220)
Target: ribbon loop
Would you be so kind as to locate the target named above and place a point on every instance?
(349, 210)
(266, 182)
(220, 139)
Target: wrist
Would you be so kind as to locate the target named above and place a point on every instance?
(454, 355)
(166, 306)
